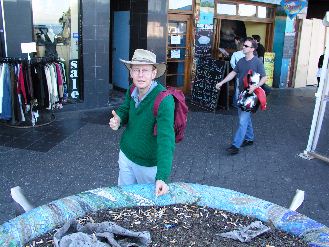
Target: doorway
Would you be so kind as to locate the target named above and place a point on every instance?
(179, 58)
(120, 49)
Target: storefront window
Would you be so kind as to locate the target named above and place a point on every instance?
(261, 12)
(226, 9)
(180, 4)
(269, 12)
(247, 10)
(56, 33)
(243, 10)
(176, 28)
(234, 18)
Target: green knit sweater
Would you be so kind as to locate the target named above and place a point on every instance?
(138, 142)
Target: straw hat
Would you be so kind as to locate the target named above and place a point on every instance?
(145, 57)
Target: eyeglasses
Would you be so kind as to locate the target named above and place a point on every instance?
(247, 46)
(142, 71)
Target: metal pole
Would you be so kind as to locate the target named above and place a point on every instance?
(322, 111)
(318, 96)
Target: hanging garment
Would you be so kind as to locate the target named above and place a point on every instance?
(15, 112)
(1, 87)
(59, 82)
(65, 91)
(6, 99)
(49, 86)
(53, 75)
(21, 84)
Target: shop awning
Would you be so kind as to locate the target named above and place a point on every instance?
(276, 2)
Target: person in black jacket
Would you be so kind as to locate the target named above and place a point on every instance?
(320, 63)
(260, 48)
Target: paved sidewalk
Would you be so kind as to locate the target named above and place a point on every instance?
(78, 152)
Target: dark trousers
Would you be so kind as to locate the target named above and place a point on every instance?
(318, 80)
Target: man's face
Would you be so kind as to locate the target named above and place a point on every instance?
(247, 47)
(142, 75)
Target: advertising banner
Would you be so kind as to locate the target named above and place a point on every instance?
(74, 79)
(269, 67)
(293, 7)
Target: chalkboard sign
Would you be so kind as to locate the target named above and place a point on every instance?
(209, 72)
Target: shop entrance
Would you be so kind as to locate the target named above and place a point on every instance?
(179, 57)
(120, 49)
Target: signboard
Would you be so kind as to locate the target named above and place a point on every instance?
(208, 73)
(29, 47)
(203, 42)
(293, 7)
(269, 67)
(74, 79)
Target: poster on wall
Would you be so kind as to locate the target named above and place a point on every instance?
(175, 39)
(269, 67)
(293, 7)
(206, 17)
(175, 54)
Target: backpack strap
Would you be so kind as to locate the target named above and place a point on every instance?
(132, 89)
(159, 99)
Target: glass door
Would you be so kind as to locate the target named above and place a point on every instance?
(179, 51)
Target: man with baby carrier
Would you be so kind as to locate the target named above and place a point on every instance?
(251, 93)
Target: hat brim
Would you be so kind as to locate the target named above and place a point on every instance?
(161, 67)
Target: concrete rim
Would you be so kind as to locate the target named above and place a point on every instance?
(43, 219)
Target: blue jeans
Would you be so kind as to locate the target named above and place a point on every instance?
(245, 130)
(236, 93)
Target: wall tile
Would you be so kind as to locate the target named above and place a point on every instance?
(102, 60)
(96, 53)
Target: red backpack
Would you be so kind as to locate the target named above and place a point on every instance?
(180, 113)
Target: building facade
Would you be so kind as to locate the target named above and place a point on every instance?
(90, 36)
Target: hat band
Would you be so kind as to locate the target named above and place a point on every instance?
(143, 60)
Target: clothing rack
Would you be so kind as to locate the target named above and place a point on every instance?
(33, 60)
(44, 60)
(11, 60)
(28, 113)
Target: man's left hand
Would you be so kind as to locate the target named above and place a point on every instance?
(161, 188)
(252, 88)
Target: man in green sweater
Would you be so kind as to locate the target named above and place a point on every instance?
(143, 157)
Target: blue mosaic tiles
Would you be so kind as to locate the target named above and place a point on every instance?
(41, 220)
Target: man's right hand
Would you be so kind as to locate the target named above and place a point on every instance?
(115, 121)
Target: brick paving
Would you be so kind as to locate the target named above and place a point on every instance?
(78, 152)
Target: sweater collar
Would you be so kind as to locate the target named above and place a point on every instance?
(134, 94)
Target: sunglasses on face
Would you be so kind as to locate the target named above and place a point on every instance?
(247, 46)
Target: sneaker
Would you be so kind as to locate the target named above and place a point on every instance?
(232, 150)
(247, 143)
